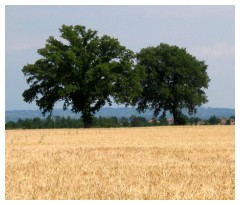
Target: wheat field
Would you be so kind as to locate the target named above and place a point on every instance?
(189, 162)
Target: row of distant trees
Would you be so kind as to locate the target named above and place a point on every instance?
(104, 122)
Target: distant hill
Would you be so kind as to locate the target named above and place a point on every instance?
(203, 113)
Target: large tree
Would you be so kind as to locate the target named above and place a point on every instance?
(175, 80)
(84, 71)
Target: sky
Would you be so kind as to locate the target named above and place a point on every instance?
(207, 32)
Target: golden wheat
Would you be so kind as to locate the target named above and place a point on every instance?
(190, 162)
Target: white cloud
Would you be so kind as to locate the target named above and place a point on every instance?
(217, 51)
(24, 42)
(21, 46)
(179, 11)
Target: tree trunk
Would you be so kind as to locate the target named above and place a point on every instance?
(86, 124)
(178, 117)
(87, 119)
(175, 113)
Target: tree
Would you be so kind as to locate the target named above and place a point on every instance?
(213, 120)
(10, 125)
(123, 121)
(138, 121)
(194, 120)
(175, 80)
(163, 121)
(84, 71)
(37, 122)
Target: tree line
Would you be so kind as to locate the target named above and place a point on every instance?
(104, 122)
(86, 71)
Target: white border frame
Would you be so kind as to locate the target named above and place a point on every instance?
(118, 2)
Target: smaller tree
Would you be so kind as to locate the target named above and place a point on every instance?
(194, 120)
(10, 125)
(163, 121)
(175, 80)
(123, 121)
(213, 120)
(138, 121)
(37, 122)
(228, 122)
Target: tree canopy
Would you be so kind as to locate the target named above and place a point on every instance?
(84, 71)
(175, 80)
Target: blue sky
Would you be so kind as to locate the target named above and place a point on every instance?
(207, 32)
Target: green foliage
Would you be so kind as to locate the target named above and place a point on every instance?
(84, 72)
(47, 123)
(138, 121)
(123, 121)
(163, 121)
(213, 120)
(194, 120)
(228, 122)
(175, 80)
(102, 122)
(62, 122)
